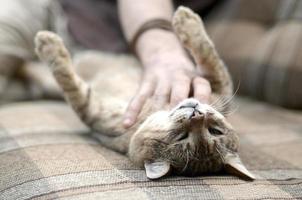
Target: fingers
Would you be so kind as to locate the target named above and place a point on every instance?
(162, 94)
(202, 89)
(180, 90)
(136, 104)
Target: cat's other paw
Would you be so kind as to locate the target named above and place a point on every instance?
(50, 47)
(188, 26)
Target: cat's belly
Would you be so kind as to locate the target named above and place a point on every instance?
(111, 75)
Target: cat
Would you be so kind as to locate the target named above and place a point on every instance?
(191, 139)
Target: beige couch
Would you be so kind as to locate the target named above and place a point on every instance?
(46, 153)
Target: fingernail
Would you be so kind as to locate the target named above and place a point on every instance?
(127, 123)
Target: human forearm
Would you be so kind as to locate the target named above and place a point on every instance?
(134, 13)
(150, 44)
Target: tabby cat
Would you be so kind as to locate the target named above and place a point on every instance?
(191, 139)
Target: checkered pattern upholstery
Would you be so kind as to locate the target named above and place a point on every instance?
(46, 153)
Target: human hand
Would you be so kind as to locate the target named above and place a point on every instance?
(169, 76)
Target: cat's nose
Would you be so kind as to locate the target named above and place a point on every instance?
(189, 103)
(197, 115)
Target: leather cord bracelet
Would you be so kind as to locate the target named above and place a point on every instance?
(151, 24)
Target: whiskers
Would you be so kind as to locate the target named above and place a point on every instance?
(187, 160)
(182, 154)
(223, 104)
(231, 110)
(222, 151)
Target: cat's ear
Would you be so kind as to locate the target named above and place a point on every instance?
(234, 165)
(157, 169)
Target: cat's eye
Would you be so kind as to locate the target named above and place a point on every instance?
(215, 131)
(182, 136)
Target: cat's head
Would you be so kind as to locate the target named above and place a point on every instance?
(192, 139)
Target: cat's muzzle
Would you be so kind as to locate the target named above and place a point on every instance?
(193, 110)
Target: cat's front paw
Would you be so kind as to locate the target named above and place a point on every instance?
(50, 47)
(187, 25)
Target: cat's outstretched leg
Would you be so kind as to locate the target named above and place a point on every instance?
(191, 32)
(86, 103)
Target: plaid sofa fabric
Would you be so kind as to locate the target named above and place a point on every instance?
(260, 42)
(47, 153)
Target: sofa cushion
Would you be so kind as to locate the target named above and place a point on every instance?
(260, 43)
(46, 153)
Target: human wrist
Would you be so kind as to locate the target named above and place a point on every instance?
(157, 43)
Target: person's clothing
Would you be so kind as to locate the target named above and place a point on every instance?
(95, 24)
(92, 24)
(20, 20)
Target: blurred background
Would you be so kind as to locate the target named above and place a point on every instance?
(259, 40)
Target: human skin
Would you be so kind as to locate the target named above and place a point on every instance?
(168, 74)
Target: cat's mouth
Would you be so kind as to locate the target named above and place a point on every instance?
(196, 115)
